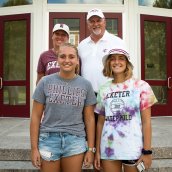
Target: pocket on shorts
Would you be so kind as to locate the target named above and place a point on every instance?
(43, 136)
(76, 137)
(79, 140)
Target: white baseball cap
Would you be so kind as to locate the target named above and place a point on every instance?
(95, 12)
(117, 50)
(63, 27)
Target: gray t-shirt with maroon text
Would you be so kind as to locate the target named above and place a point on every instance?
(64, 101)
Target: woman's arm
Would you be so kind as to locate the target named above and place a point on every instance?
(89, 120)
(147, 128)
(37, 112)
(100, 124)
(147, 136)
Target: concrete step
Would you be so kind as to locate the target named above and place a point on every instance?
(24, 154)
(161, 165)
(162, 153)
(23, 166)
(17, 166)
(14, 154)
(164, 165)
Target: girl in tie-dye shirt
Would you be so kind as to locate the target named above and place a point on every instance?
(124, 125)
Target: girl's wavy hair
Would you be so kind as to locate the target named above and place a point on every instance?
(107, 71)
(77, 69)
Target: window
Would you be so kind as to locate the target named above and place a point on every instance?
(85, 1)
(8, 3)
(157, 3)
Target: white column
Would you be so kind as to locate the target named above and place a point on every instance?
(37, 42)
(133, 35)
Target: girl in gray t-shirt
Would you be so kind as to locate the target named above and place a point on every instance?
(67, 101)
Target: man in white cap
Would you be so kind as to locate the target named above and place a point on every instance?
(47, 63)
(93, 48)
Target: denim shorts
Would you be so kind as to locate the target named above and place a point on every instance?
(55, 145)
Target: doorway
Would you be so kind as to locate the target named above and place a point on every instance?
(15, 66)
(156, 60)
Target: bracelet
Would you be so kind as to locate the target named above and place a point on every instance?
(146, 152)
(91, 149)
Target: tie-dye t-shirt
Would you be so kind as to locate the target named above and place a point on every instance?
(122, 131)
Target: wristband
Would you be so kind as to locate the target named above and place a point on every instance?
(91, 149)
(146, 152)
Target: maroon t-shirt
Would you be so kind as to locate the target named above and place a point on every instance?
(47, 63)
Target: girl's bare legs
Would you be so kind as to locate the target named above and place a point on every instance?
(128, 168)
(111, 166)
(72, 163)
(116, 166)
(53, 166)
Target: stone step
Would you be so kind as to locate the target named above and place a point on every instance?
(14, 154)
(17, 166)
(24, 154)
(23, 166)
(159, 165)
(162, 153)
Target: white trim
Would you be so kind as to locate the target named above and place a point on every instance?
(31, 62)
(132, 36)
(138, 42)
(37, 39)
(16, 10)
(84, 7)
(45, 24)
(155, 11)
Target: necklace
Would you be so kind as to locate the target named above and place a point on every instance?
(66, 81)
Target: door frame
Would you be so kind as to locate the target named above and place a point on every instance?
(159, 109)
(15, 110)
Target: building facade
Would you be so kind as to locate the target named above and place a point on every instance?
(26, 29)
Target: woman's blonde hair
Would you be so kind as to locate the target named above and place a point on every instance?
(107, 71)
(77, 69)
